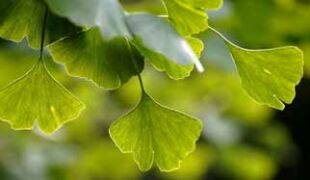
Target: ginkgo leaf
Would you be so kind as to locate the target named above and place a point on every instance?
(269, 76)
(107, 63)
(108, 15)
(24, 18)
(154, 133)
(162, 45)
(187, 16)
(38, 99)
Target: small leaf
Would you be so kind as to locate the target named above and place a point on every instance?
(187, 16)
(162, 45)
(87, 54)
(155, 133)
(108, 15)
(269, 76)
(24, 18)
(37, 98)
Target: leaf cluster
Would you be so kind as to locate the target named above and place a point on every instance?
(99, 41)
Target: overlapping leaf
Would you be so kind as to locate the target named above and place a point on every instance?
(269, 76)
(187, 16)
(24, 18)
(154, 133)
(87, 54)
(162, 45)
(38, 99)
(108, 15)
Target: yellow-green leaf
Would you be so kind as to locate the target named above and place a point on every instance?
(38, 99)
(154, 133)
(186, 16)
(269, 76)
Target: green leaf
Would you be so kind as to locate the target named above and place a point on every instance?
(155, 133)
(108, 15)
(209, 4)
(38, 99)
(87, 54)
(187, 16)
(196, 44)
(24, 18)
(269, 76)
(162, 45)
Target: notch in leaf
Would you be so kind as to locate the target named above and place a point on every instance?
(269, 76)
(154, 133)
(37, 98)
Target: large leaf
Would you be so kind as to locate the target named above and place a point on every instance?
(108, 15)
(24, 18)
(162, 45)
(269, 76)
(107, 63)
(155, 133)
(38, 99)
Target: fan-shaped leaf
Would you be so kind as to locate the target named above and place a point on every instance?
(38, 98)
(154, 133)
(269, 76)
(107, 63)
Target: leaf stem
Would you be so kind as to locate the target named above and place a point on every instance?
(133, 60)
(43, 33)
(216, 32)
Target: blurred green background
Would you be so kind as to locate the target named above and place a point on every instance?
(240, 140)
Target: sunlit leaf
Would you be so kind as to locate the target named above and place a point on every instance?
(154, 133)
(187, 16)
(108, 63)
(20, 19)
(38, 99)
(108, 15)
(160, 43)
(269, 76)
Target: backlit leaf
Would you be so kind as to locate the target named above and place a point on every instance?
(154, 133)
(269, 76)
(108, 63)
(38, 99)
(107, 15)
(24, 18)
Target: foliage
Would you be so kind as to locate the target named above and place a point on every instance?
(107, 45)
